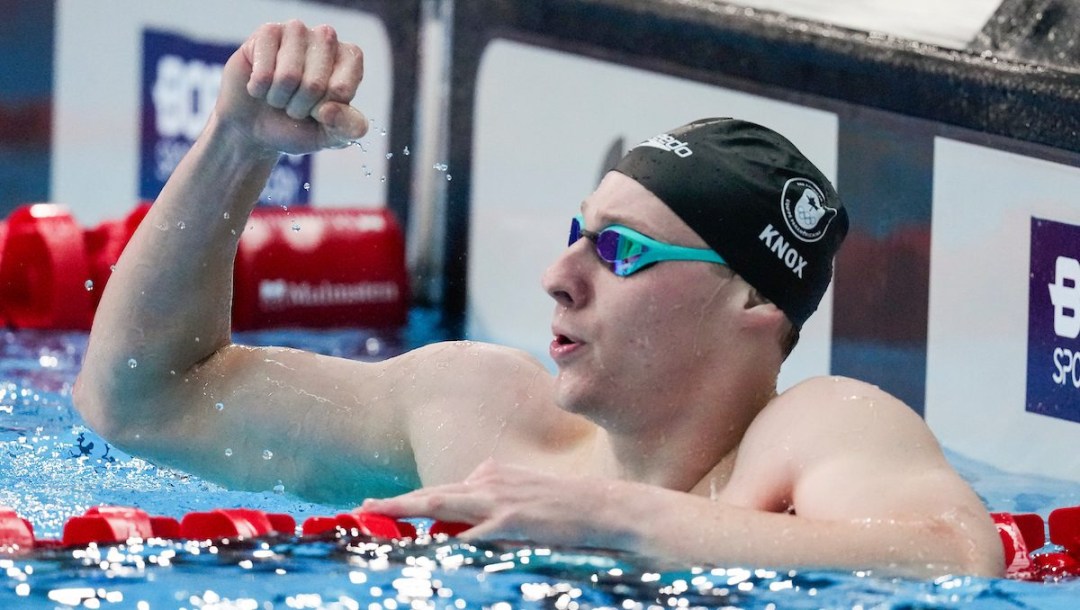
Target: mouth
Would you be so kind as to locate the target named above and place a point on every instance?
(562, 346)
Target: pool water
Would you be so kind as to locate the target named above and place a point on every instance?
(52, 468)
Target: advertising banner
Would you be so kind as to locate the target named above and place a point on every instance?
(180, 81)
(1053, 364)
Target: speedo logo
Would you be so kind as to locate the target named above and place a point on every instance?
(783, 250)
(671, 144)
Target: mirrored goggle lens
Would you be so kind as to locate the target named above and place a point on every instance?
(575, 231)
(619, 251)
(610, 246)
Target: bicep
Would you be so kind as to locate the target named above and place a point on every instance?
(324, 427)
(877, 459)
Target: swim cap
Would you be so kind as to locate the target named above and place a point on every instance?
(754, 199)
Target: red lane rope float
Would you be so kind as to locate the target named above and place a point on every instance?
(15, 534)
(43, 270)
(1023, 535)
(307, 267)
(117, 524)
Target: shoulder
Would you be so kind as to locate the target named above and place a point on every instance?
(827, 401)
(470, 361)
(825, 417)
(473, 377)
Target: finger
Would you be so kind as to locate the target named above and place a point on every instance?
(263, 57)
(490, 470)
(289, 67)
(318, 66)
(342, 124)
(347, 74)
(453, 506)
(412, 498)
(488, 530)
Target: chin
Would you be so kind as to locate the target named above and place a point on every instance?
(571, 395)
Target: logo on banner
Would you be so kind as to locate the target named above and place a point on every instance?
(1053, 375)
(181, 80)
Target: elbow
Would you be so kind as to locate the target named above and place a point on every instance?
(975, 549)
(99, 410)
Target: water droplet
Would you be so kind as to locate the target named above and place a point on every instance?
(296, 226)
(233, 231)
(267, 454)
(279, 488)
(89, 285)
(389, 155)
(372, 346)
(307, 186)
(161, 227)
(132, 363)
(284, 208)
(382, 132)
(219, 406)
(180, 225)
(406, 151)
(112, 267)
(383, 179)
(228, 452)
(225, 215)
(359, 144)
(449, 177)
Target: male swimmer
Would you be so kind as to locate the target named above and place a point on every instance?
(690, 270)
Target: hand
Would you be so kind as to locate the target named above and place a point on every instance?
(513, 503)
(288, 89)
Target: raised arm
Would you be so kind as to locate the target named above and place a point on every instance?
(161, 376)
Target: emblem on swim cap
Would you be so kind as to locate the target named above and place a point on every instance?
(804, 209)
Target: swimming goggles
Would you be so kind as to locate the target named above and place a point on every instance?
(626, 251)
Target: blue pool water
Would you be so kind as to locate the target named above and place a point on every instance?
(52, 468)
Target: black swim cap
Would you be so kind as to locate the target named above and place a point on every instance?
(755, 199)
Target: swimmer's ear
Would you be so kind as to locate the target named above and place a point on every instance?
(759, 306)
(755, 298)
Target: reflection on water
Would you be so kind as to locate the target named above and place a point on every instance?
(52, 468)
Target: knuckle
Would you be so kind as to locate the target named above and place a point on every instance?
(340, 90)
(295, 25)
(324, 33)
(270, 29)
(287, 78)
(314, 88)
(260, 81)
(354, 51)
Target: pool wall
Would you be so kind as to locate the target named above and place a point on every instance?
(957, 167)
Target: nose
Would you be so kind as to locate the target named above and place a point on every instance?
(566, 279)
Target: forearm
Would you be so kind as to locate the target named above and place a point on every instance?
(695, 530)
(167, 305)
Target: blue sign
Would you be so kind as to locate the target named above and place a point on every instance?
(1053, 373)
(181, 79)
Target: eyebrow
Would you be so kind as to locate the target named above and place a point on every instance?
(616, 217)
